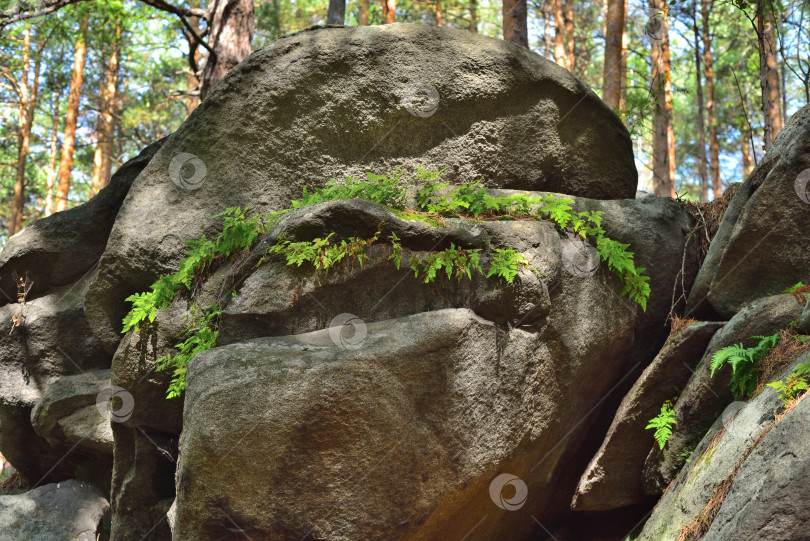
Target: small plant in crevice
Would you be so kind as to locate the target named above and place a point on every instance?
(663, 423)
(743, 362)
(470, 201)
(794, 384)
(201, 336)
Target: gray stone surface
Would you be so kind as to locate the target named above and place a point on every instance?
(329, 102)
(613, 477)
(770, 207)
(67, 413)
(66, 511)
(767, 497)
(705, 397)
(399, 438)
(52, 341)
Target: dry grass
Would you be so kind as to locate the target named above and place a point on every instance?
(801, 294)
(781, 356)
(679, 324)
(708, 217)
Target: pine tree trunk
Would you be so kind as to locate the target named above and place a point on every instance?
(437, 8)
(612, 71)
(663, 135)
(772, 73)
(559, 33)
(474, 16)
(72, 117)
(337, 12)
(623, 69)
(362, 12)
(105, 130)
(548, 18)
(702, 169)
(26, 118)
(515, 22)
(193, 76)
(711, 103)
(389, 11)
(231, 33)
(570, 53)
(53, 154)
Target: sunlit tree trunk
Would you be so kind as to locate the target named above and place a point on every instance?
(474, 16)
(108, 99)
(515, 22)
(771, 63)
(437, 8)
(362, 12)
(28, 103)
(193, 75)
(768, 72)
(231, 33)
(559, 33)
(72, 117)
(570, 51)
(612, 70)
(389, 11)
(53, 153)
(548, 24)
(711, 103)
(702, 169)
(623, 72)
(663, 134)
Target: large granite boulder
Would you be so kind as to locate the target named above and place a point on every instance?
(329, 102)
(52, 340)
(704, 397)
(66, 511)
(275, 300)
(613, 477)
(756, 251)
(415, 432)
(750, 465)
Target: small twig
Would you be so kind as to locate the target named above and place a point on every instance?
(745, 113)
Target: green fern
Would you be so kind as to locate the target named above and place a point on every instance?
(792, 386)
(663, 423)
(743, 362)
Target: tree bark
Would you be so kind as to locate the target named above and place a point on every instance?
(772, 71)
(612, 71)
(570, 52)
(437, 8)
(105, 128)
(72, 117)
(28, 103)
(231, 27)
(474, 16)
(337, 12)
(362, 12)
(515, 22)
(702, 169)
(711, 103)
(663, 134)
(53, 153)
(193, 58)
(389, 11)
(559, 33)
